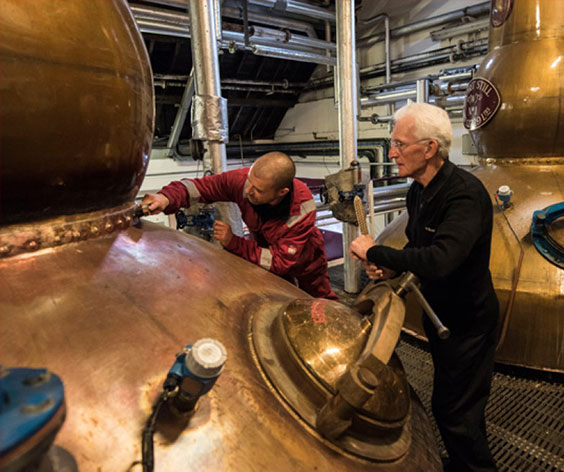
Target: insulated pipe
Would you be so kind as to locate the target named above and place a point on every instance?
(208, 91)
(348, 96)
(480, 9)
(389, 97)
(293, 55)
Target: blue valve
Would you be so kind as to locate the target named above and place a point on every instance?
(194, 373)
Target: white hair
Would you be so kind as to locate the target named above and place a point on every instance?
(431, 122)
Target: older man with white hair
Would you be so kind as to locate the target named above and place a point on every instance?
(449, 239)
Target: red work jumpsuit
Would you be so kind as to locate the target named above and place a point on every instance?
(295, 246)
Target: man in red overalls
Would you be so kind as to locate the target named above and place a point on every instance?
(278, 209)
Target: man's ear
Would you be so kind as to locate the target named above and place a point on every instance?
(283, 191)
(431, 149)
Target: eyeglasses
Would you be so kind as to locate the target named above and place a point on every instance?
(400, 146)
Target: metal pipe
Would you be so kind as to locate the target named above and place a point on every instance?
(208, 90)
(284, 83)
(294, 43)
(450, 87)
(259, 89)
(390, 191)
(270, 20)
(327, 36)
(422, 89)
(152, 13)
(180, 118)
(409, 63)
(287, 37)
(163, 29)
(293, 55)
(371, 219)
(310, 11)
(155, 21)
(348, 95)
(480, 9)
(448, 101)
(388, 97)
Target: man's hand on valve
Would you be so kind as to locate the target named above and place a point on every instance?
(155, 202)
(222, 233)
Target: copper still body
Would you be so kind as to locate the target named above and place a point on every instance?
(521, 145)
(106, 302)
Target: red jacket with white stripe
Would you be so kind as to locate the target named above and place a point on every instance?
(294, 245)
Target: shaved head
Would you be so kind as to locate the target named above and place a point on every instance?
(276, 167)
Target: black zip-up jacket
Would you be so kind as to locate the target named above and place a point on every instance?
(449, 239)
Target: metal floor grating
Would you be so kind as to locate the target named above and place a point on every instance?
(524, 417)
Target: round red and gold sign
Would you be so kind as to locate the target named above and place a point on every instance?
(481, 103)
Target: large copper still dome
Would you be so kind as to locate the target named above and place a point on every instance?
(77, 108)
(107, 304)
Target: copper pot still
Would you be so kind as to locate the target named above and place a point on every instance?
(514, 111)
(106, 303)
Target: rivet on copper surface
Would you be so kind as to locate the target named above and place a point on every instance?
(128, 219)
(5, 250)
(57, 239)
(119, 223)
(94, 230)
(75, 235)
(32, 245)
(109, 226)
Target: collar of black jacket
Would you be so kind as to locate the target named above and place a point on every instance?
(438, 181)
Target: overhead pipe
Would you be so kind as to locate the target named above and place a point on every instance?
(293, 55)
(209, 109)
(278, 39)
(446, 54)
(290, 6)
(480, 9)
(304, 9)
(288, 37)
(270, 20)
(348, 96)
(302, 49)
(390, 96)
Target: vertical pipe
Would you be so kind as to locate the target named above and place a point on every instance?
(370, 200)
(387, 49)
(348, 107)
(208, 90)
(422, 91)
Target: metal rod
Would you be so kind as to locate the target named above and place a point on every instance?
(180, 118)
(346, 70)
